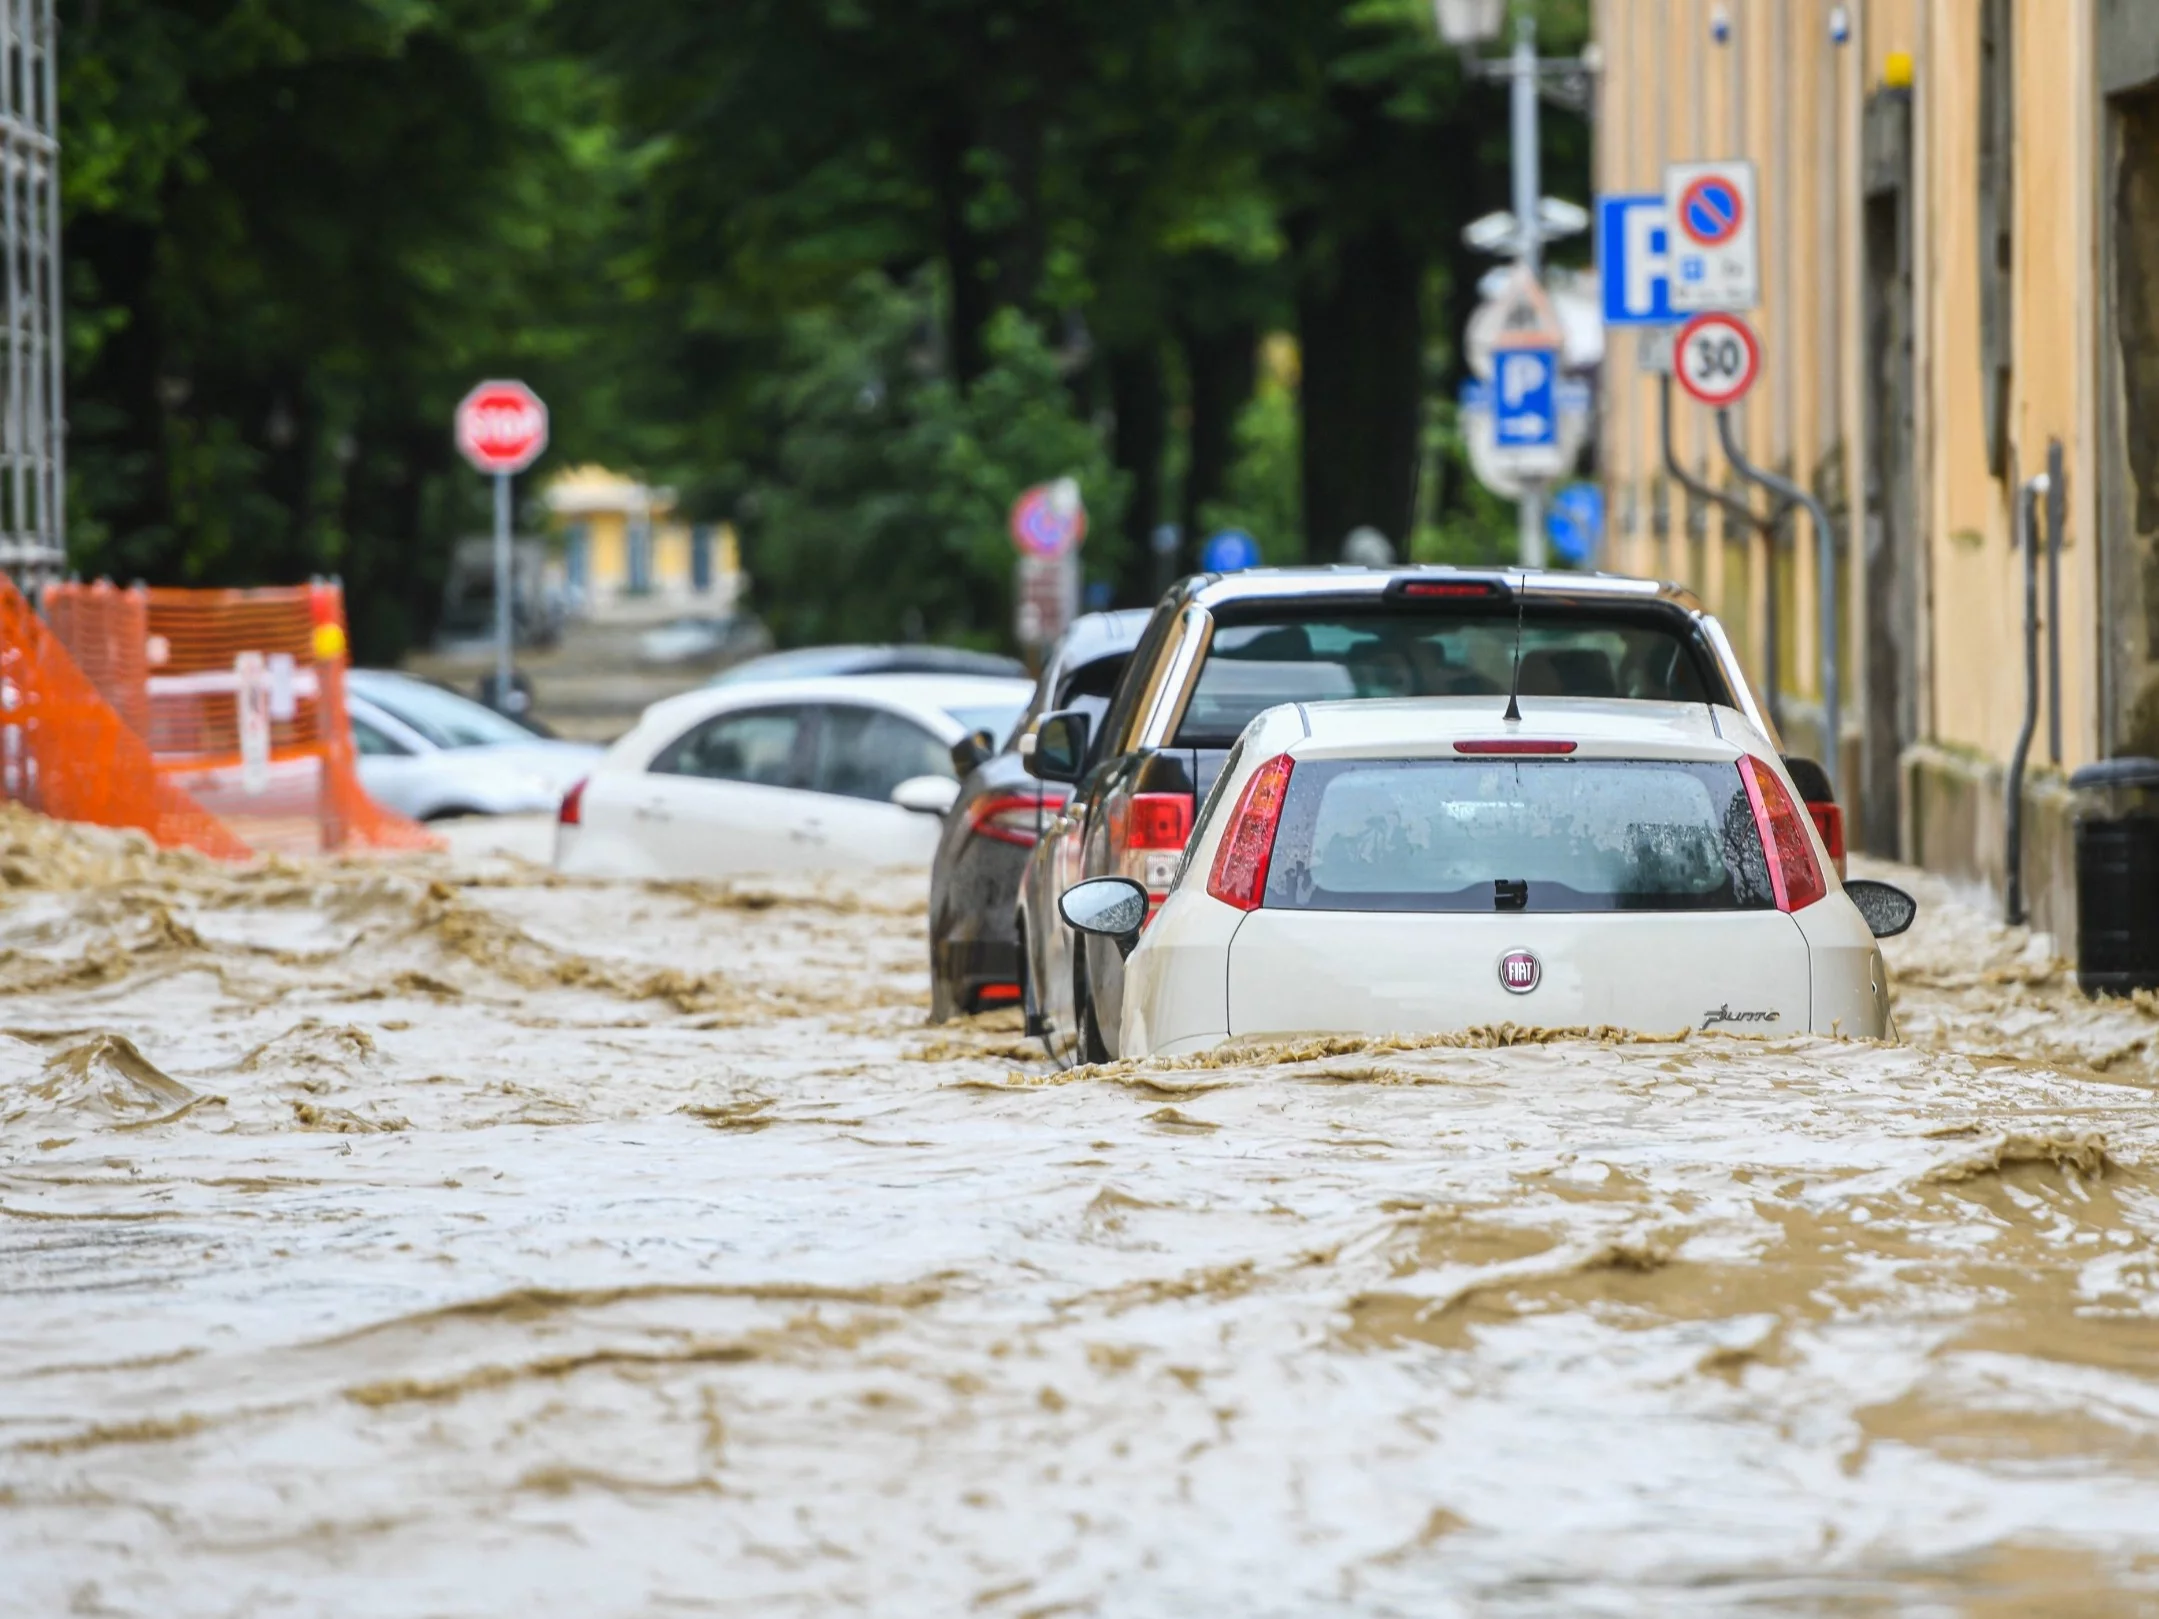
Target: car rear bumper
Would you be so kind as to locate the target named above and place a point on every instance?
(968, 967)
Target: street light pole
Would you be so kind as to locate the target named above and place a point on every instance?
(1528, 191)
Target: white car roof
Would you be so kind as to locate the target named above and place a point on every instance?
(927, 698)
(1406, 727)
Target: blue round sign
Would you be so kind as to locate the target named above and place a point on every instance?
(1230, 551)
(1710, 211)
(1574, 522)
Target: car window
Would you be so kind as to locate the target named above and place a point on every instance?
(1254, 663)
(443, 717)
(374, 744)
(756, 745)
(1578, 835)
(866, 752)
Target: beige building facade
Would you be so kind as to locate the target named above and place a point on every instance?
(1958, 203)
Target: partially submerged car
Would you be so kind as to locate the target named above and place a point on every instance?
(435, 755)
(1428, 866)
(788, 775)
(1000, 816)
(1219, 649)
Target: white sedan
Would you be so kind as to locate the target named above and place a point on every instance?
(1427, 865)
(433, 755)
(842, 772)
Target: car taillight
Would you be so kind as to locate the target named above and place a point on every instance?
(1794, 875)
(1014, 818)
(1515, 744)
(1829, 821)
(573, 806)
(1150, 831)
(1239, 876)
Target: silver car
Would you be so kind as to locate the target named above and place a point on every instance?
(431, 754)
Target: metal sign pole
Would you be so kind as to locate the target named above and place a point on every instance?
(503, 571)
(1528, 188)
(1825, 566)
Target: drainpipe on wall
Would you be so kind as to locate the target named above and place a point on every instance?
(2027, 532)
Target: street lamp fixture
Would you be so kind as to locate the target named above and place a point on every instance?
(1468, 23)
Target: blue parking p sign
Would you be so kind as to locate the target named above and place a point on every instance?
(1525, 403)
(1634, 264)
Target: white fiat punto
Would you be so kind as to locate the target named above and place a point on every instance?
(1428, 865)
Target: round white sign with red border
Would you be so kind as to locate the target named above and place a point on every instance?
(501, 427)
(1716, 358)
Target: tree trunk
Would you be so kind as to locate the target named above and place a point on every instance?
(1222, 365)
(1362, 335)
(965, 252)
(1141, 408)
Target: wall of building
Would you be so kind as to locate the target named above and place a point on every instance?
(1783, 94)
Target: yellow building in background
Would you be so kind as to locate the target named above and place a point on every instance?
(1958, 206)
(627, 552)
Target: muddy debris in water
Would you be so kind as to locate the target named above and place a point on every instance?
(419, 1234)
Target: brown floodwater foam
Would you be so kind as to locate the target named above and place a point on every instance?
(427, 1236)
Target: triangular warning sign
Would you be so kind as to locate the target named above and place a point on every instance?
(1525, 316)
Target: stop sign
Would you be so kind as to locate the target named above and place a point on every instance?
(501, 427)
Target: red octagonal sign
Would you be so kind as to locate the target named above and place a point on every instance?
(501, 427)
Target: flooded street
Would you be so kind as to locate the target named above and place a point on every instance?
(446, 1238)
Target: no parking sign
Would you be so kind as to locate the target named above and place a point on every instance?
(1049, 519)
(1709, 211)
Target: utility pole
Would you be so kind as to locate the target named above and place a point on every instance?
(1466, 24)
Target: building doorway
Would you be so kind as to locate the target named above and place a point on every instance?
(1892, 555)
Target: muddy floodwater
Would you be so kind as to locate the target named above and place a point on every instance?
(444, 1238)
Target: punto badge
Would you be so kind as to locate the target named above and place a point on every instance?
(1520, 972)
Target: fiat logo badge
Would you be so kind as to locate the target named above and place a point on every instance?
(1520, 972)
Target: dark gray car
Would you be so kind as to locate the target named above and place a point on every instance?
(975, 960)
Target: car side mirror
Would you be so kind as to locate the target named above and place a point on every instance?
(1060, 746)
(1888, 910)
(1110, 907)
(927, 795)
(971, 751)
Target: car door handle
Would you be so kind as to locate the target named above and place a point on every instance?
(651, 812)
(808, 830)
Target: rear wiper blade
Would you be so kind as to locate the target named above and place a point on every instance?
(1510, 894)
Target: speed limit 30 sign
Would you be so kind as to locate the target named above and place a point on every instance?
(1716, 358)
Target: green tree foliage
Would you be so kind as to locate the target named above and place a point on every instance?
(1050, 234)
(297, 231)
(882, 511)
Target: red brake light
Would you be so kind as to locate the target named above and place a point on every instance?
(1446, 589)
(573, 805)
(1014, 818)
(1158, 821)
(1514, 744)
(1148, 832)
(1239, 876)
(1794, 876)
(997, 995)
(1829, 821)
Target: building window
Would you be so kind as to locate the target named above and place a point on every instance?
(1997, 214)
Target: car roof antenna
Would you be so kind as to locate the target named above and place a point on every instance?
(1514, 683)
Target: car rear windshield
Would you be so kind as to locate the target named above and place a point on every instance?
(1313, 655)
(1522, 835)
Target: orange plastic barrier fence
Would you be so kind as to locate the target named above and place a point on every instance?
(240, 695)
(65, 752)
